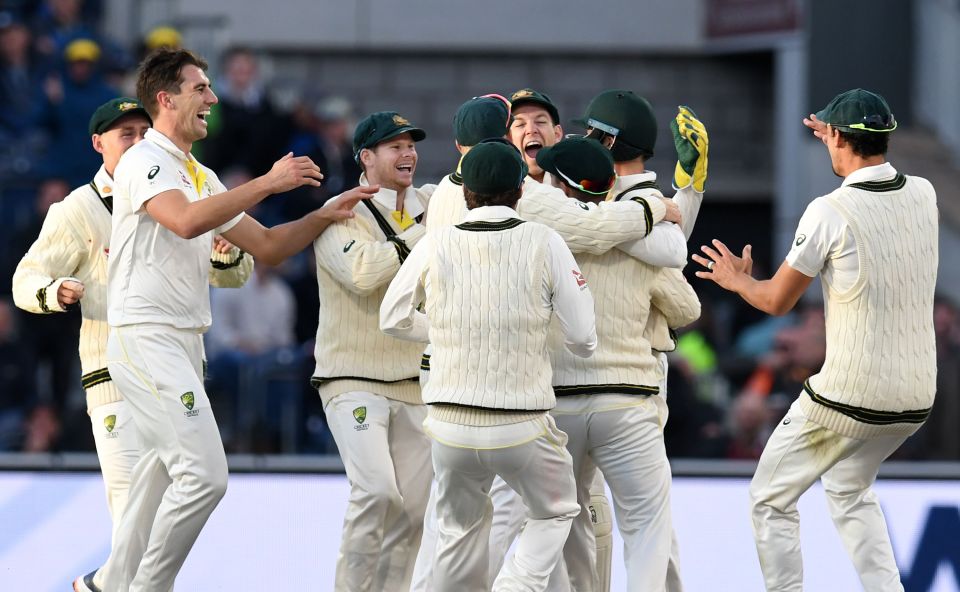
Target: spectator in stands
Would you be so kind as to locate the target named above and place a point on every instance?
(246, 130)
(70, 98)
(254, 359)
(47, 343)
(14, 381)
(57, 23)
(20, 92)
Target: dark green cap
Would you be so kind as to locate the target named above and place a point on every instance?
(481, 118)
(526, 96)
(107, 113)
(381, 126)
(626, 116)
(493, 167)
(581, 163)
(858, 111)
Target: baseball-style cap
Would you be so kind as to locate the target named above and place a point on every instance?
(624, 115)
(381, 126)
(82, 50)
(858, 111)
(493, 167)
(481, 118)
(163, 37)
(582, 163)
(528, 96)
(109, 112)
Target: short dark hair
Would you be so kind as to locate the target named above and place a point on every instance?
(867, 144)
(162, 70)
(507, 198)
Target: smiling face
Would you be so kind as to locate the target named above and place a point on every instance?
(391, 163)
(531, 129)
(191, 105)
(124, 133)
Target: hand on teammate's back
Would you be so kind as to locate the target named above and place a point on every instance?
(673, 212)
(341, 207)
(69, 292)
(291, 172)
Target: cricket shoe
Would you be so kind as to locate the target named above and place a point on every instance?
(85, 583)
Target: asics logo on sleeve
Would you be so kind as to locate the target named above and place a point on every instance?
(153, 171)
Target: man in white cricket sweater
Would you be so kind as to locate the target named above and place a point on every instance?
(68, 264)
(167, 208)
(490, 287)
(368, 381)
(585, 227)
(873, 242)
(608, 404)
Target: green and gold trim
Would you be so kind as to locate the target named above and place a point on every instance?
(456, 179)
(606, 389)
(485, 226)
(425, 362)
(92, 379)
(220, 265)
(893, 184)
(42, 297)
(869, 416)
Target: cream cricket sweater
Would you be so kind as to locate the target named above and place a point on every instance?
(623, 362)
(490, 363)
(879, 376)
(356, 259)
(73, 245)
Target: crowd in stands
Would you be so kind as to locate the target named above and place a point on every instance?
(733, 376)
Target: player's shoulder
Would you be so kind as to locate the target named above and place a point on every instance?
(144, 156)
(923, 184)
(77, 203)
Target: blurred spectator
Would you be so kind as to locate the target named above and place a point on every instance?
(254, 361)
(20, 92)
(57, 23)
(70, 99)
(245, 130)
(750, 427)
(939, 438)
(49, 342)
(324, 132)
(14, 381)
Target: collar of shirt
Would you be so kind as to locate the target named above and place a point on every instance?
(627, 181)
(870, 173)
(103, 182)
(166, 143)
(387, 198)
(490, 213)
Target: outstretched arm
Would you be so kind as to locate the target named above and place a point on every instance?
(273, 245)
(776, 296)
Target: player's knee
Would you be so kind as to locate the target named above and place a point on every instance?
(382, 497)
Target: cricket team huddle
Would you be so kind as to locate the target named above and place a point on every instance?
(491, 351)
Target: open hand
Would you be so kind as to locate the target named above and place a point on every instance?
(723, 267)
(291, 172)
(820, 129)
(341, 207)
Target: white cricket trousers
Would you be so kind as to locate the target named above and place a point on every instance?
(182, 472)
(532, 459)
(387, 459)
(118, 450)
(622, 436)
(797, 454)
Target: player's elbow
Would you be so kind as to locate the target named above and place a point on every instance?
(187, 229)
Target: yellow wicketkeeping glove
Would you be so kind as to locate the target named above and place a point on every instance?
(690, 138)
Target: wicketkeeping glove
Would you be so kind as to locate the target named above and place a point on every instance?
(690, 138)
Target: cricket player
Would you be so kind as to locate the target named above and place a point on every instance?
(67, 264)
(490, 286)
(368, 381)
(873, 242)
(585, 227)
(608, 404)
(166, 209)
